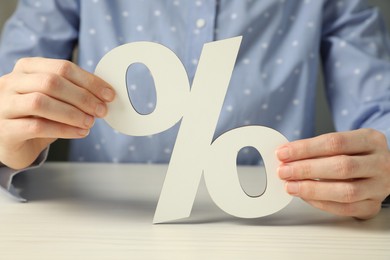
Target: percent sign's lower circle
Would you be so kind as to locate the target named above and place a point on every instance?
(222, 179)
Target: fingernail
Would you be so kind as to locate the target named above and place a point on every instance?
(100, 110)
(83, 132)
(292, 187)
(108, 94)
(88, 122)
(285, 172)
(283, 153)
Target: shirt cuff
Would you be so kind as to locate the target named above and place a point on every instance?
(6, 175)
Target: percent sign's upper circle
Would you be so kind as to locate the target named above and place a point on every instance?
(171, 83)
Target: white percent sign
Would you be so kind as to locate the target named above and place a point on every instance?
(195, 153)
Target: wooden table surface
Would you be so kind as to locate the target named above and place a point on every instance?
(105, 211)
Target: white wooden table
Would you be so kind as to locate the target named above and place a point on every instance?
(105, 211)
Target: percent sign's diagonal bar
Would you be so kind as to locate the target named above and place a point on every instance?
(207, 95)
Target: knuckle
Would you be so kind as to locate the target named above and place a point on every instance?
(91, 81)
(367, 131)
(379, 138)
(350, 193)
(50, 82)
(72, 114)
(37, 101)
(335, 143)
(309, 189)
(5, 77)
(299, 149)
(64, 68)
(373, 139)
(305, 171)
(345, 166)
(76, 117)
(22, 63)
(62, 131)
(5, 81)
(35, 127)
(86, 99)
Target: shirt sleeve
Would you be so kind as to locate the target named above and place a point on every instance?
(355, 49)
(6, 175)
(39, 29)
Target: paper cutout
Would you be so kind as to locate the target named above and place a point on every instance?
(194, 152)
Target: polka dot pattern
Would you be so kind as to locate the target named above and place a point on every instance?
(273, 83)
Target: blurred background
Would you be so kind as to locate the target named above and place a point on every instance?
(323, 118)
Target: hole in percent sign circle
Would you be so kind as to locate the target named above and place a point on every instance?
(253, 179)
(141, 88)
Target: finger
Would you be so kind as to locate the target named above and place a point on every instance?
(40, 105)
(70, 71)
(365, 209)
(60, 89)
(351, 142)
(341, 167)
(29, 128)
(337, 191)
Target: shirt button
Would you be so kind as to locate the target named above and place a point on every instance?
(200, 23)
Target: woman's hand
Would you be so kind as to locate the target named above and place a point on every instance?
(45, 99)
(346, 173)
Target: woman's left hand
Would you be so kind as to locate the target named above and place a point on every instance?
(345, 173)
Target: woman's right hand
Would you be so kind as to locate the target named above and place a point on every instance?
(45, 99)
